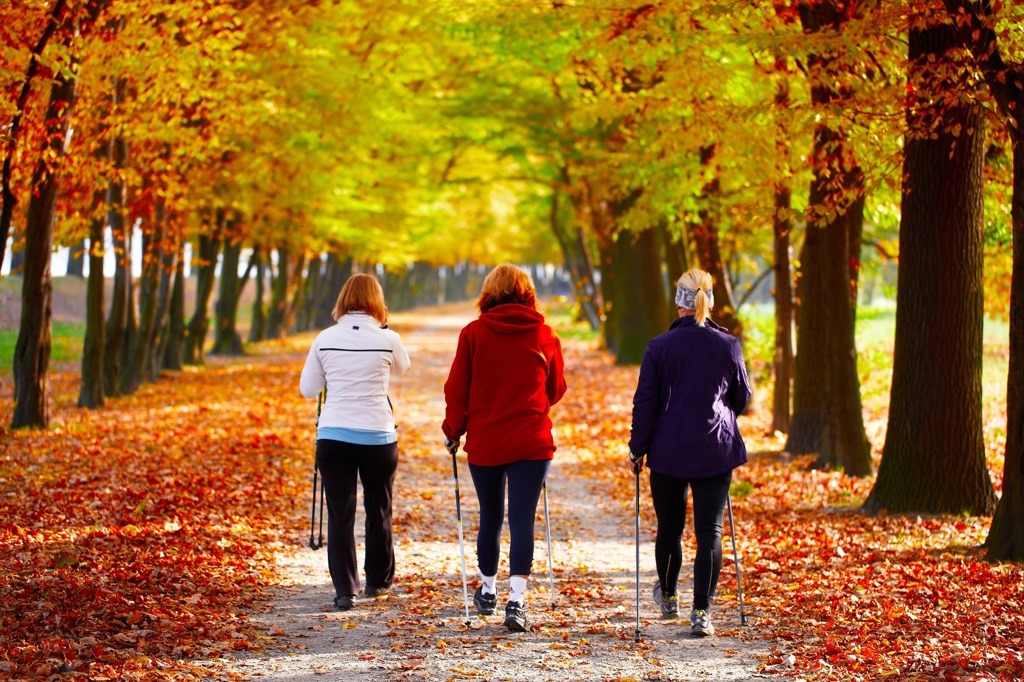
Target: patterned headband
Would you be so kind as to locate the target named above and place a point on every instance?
(686, 298)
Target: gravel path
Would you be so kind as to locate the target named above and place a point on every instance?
(419, 631)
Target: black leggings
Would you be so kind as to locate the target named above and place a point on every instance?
(525, 480)
(340, 464)
(709, 499)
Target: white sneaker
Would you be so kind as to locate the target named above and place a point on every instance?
(700, 623)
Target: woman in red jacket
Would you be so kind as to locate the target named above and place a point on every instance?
(506, 375)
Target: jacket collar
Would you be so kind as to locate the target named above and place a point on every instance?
(691, 321)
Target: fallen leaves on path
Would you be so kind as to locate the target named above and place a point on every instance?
(135, 539)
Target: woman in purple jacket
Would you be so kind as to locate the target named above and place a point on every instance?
(693, 383)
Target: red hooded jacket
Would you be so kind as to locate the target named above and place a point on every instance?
(506, 375)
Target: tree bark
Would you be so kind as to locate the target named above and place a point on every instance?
(577, 261)
(118, 320)
(32, 350)
(91, 394)
(1006, 535)
(194, 350)
(933, 460)
(640, 293)
(174, 346)
(782, 365)
(143, 341)
(257, 327)
(226, 339)
(279, 298)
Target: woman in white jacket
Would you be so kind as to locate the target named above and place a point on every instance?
(356, 438)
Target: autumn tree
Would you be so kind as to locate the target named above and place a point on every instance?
(933, 459)
(976, 22)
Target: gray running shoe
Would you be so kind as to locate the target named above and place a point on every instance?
(700, 623)
(668, 602)
(515, 617)
(484, 603)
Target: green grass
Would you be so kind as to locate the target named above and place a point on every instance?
(561, 314)
(67, 339)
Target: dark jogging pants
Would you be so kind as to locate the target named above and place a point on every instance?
(525, 479)
(340, 465)
(710, 496)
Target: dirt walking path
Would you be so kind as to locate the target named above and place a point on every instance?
(419, 632)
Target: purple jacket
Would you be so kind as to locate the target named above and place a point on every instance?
(692, 384)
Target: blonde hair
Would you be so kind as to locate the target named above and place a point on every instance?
(507, 284)
(699, 281)
(362, 293)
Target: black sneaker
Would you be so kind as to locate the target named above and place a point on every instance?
(668, 602)
(344, 602)
(485, 603)
(374, 592)
(515, 617)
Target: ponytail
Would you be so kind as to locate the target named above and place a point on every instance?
(694, 292)
(700, 303)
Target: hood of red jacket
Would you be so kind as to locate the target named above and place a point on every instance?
(512, 318)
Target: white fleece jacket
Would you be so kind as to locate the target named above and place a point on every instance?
(355, 360)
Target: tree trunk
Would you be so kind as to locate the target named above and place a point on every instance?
(933, 460)
(13, 133)
(117, 322)
(257, 327)
(143, 341)
(194, 350)
(32, 350)
(1006, 536)
(640, 293)
(844, 442)
(174, 346)
(226, 339)
(577, 261)
(76, 260)
(783, 362)
(279, 299)
(169, 272)
(338, 272)
(828, 417)
(91, 394)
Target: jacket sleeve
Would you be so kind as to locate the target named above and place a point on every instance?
(401, 358)
(456, 389)
(739, 387)
(556, 385)
(312, 380)
(645, 405)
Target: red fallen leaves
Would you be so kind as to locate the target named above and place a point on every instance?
(132, 539)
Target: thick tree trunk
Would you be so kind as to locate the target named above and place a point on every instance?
(782, 364)
(933, 460)
(91, 394)
(844, 442)
(194, 350)
(811, 364)
(640, 293)
(32, 350)
(1006, 536)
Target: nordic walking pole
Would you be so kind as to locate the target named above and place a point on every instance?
(314, 543)
(736, 560)
(636, 471)
(547, 531)
(458, 516)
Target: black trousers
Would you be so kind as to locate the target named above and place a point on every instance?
(710, 496)
(340, 465)
(525, 480)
